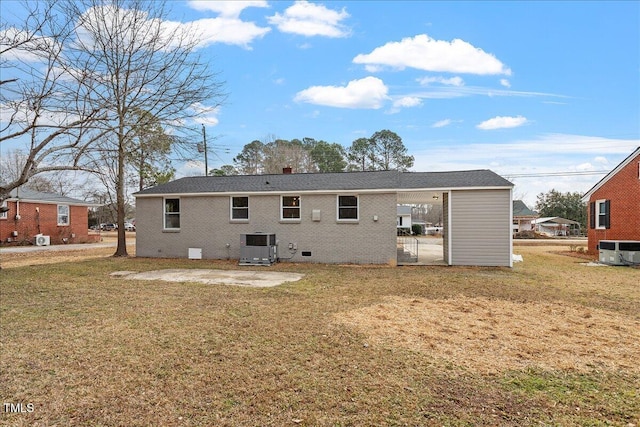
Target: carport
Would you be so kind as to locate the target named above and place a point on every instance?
(476, 226)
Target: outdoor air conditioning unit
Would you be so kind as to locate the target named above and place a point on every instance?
(258, 249)
(41, 240)
(619, 252)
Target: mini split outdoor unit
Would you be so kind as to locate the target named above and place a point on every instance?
(41, 240)
(619, 252)
(257, 249)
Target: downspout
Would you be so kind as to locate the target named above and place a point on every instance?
(449, 244)
(511, 228)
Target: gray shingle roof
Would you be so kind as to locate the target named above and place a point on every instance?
(26, 194)
(379, 180)
(520, 209)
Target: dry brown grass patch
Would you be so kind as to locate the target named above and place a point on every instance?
(491, 336)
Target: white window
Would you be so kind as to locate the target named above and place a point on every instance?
(290, 208)
(63, 214)
(348, 208)
(603, 208)
(4, 211)
(240, 208)
(171, 214)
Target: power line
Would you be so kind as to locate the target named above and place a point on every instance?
(542, 174)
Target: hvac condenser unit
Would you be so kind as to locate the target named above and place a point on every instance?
(257, 249)
(619, 252)
(41, 240)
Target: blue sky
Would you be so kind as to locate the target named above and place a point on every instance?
(517, 87)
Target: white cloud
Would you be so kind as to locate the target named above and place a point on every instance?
(505, 83)
(231, 31)
(453, 81)
(601, 159)
(501, 122)
(369, 92)
(206, 115)
(311, 19)
(441, 123)
(407, 102)
(544, 154)
(18, 45)
(424, 53)
(227, 9)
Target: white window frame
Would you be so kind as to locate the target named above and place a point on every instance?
(283, 207)
(67, 214)
(598, 214)
(338, 207)
(165, 213)
(4, 215)
(232, 209)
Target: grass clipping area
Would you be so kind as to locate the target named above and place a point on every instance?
(491, 336)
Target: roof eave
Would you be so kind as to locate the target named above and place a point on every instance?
(608, 176)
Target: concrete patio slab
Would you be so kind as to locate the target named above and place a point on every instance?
(256, 279)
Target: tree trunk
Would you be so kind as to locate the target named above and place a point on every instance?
(121, 249)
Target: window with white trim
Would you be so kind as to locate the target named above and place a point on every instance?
(348, 208)
(63, 214)
(171, 214)
(4, 211)
(603, 208)
(290, 208)
(240, 208)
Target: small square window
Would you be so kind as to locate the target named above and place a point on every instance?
(348, 208)
(290, 207)
(239, 208)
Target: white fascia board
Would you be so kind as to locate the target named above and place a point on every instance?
(296, 192)
(608, 176)
(51, 202)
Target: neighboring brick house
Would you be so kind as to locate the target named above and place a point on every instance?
(63, 219)
(348, 217)
(614, 204)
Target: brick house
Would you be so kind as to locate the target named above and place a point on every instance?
(63, 219)
(614, 204)
(348, 217)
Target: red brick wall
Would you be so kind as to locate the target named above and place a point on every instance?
(43, 218)
(623, 189)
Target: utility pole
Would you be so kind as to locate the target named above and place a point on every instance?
(206, 160)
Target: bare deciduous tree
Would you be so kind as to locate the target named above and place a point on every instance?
(42, 108)
(77, 74)
(136, 60)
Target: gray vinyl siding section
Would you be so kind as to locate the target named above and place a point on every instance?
(480, 227)
(205, 223)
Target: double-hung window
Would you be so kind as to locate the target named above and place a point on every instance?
(603, 207)
(348, 208)
(171, 214)
(63, 214)
(240, 208)
(290, 208)
(600, 214)
(4, 210)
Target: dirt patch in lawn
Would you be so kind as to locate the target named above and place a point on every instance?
(257, 279)
(490, 336)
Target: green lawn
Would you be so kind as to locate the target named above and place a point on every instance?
(85, 348)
